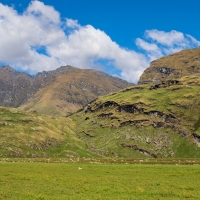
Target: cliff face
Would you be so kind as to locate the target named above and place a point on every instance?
(183, 63)
(58, 92)
(15, 87)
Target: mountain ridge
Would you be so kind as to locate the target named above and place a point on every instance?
(19, 89)
(156, 120)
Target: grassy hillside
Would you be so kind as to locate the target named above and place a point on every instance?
(31, 135)
(160, 120)
(143, 121)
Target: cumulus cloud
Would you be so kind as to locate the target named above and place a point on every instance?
(85, 46)
(152, 49)
(38, 40)
(43, 12)
(160, 43)
(23, 35)
(165, 38)
(71, 23)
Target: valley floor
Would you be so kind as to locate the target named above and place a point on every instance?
(37, 180)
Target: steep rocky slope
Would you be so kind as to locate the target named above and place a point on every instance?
(183, 63)
(58, 92)
(161, 120)
(15, 87)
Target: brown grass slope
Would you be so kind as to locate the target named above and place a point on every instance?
(71, 89)
(174, 66)
(29, 135)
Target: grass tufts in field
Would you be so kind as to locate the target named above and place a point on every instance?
(98, 181)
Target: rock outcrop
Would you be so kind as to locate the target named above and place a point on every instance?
(157, 120)
(174, 66)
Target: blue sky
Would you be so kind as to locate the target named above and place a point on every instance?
(119, 37)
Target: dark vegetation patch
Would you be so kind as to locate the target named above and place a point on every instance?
(135, 122)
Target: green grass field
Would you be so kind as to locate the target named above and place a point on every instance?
(98, 181)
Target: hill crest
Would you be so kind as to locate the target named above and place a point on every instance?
(174, 66)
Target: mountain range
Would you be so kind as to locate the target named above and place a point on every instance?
(58, 92)
(158, 118)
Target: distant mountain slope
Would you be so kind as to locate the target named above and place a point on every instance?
(58, 92)
(15, 87)
(71, 89)
(161, 120)
(177, 65)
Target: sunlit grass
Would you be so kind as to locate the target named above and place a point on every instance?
(98, 181)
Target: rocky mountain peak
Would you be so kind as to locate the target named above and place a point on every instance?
(7, 68)
(59, 91)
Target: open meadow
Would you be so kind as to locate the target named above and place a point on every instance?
(33, 180)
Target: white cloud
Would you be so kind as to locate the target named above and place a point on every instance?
(22, 35)
(71, 23)
(43, 12)
(152, 49)
(165, 38)
(160, 43)
(193, 40)
(40, 26)
(145, 45)
(38, 40)
(86, 45)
